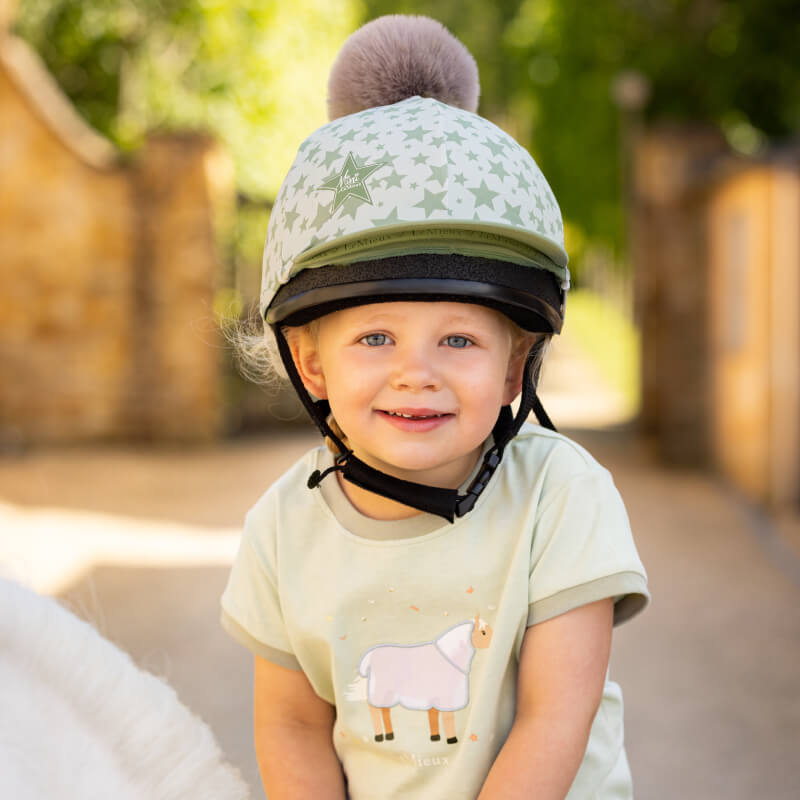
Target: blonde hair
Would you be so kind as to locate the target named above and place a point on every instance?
(256, 351)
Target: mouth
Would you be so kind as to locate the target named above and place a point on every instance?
(415, 420)
(415, 414)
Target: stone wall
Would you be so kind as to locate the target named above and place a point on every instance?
(108, 272)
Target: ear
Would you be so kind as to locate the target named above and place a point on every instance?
(516, 366)
(305, 355)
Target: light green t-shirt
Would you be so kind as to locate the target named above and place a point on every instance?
(396, 614)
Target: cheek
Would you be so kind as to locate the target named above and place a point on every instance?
(482, 384)
(349, 392)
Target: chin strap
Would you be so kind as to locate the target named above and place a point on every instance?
(447, 503)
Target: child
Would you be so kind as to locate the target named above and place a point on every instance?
(430, 599)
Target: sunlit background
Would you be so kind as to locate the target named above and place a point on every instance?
(143, 143)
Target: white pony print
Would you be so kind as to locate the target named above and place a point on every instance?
(431, 676)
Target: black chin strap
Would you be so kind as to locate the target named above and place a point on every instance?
(447, 503)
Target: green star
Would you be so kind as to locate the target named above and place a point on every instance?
(460, 179)
(313, 243)
(438, 141)
(349, 136)
(300, 183)
(472, 156)
(370, 137)
(432, 202)
(416, 133)
(454, 136)
(512, 214)
(350, 206)
(330, 157)
(412, 186)
(290, 217)
(439, 174)
(419, 159)
(350, 182)
(395, 179)
(390, 220)
(464, 122)
(539, 203)
(484, 196)
(521, 180)
(498, 169)
(495, 146)
(323, 215)
(312, 152)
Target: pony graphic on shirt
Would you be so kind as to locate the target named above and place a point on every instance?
(431, 676)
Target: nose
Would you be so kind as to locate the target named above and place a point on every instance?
(415, 370)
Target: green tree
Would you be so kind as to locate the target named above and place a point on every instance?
(547, 69)
(253, 72)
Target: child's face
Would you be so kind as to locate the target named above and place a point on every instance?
(415, 386)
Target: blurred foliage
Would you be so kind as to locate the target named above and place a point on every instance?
(255, 73)
(548, 67)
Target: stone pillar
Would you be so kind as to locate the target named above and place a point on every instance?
(671, 296)
(180, 183)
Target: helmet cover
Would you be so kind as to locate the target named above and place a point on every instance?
(414, 177)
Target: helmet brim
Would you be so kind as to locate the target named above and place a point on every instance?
(532, 298)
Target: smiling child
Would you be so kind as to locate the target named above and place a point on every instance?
(430, 598)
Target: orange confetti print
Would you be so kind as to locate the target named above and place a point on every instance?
(474, 737)
(414, 608)
(342, 638)
(470, 590)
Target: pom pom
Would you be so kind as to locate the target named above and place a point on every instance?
(396, 57)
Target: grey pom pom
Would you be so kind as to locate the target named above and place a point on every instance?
(396, 57)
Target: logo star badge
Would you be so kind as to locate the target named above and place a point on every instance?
(350, 182)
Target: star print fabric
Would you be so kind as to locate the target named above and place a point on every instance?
(418, 176)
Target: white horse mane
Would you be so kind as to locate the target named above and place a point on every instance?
(79, 720)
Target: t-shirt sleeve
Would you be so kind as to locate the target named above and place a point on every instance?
(251, 607)
(583, 551)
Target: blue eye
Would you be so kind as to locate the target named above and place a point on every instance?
(458, 341)
(375, 339)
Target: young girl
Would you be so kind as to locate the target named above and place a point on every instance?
(430, 599)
